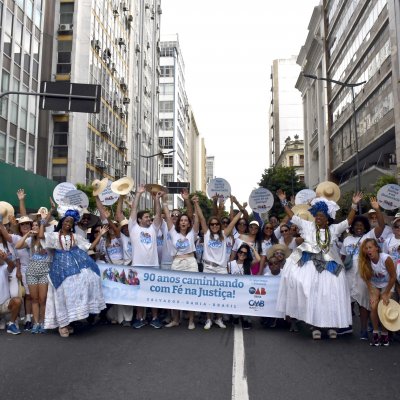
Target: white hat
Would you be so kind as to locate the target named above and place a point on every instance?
(99, 186)
(371, 211)
(389, 315)
(301, 210)
(122, 186)
(328, 190)
(155, 188)
(6, 211)
(254, 222)
(123, 223)
(24, 219)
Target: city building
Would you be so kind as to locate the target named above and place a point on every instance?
(210, 168)
(194, 155)
(292, 155)
(359, 42)
(203, 166)
(174, 116)
(21, 38)
(113, 44)
(285, 114)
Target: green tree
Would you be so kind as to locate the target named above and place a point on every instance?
(88, 190)
(284, 178)
(205, 203)
(384, 180)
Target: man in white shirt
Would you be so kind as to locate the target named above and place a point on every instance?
(8, 304)
(143, 234)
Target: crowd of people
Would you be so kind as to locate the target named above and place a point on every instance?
(330, 272)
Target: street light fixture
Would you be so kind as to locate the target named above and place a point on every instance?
(351, 86)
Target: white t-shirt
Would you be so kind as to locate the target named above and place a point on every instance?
(127, 248)
(182, 244)
(167, 248)
(22, 254)
(144, 242)
(40, 253)
(380, 277)
(391, 247)
(4, 284)
(292, 245)
(113, 253)
(215, 249)
(265, 245)
(235, 269)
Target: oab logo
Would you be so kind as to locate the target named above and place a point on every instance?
(257, 292)
(256, 303)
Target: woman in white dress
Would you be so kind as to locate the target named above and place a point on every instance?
(74, 289)
(313, 286)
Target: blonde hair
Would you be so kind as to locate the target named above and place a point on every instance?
(364, 262)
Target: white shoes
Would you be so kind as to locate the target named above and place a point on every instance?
(172, 324)
(208, 324)
(220, 323)
(191, 326)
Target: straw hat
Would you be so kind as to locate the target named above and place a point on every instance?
(328, 190)
(99, 186)
(122, 186)
(301, 210)
(154, 188)
(278, 247)
(6, 211)
(389, 315)
(123, 223)
(24, 219)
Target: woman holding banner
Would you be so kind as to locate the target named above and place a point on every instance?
(183, 235)
(214, 253)
(313, 287)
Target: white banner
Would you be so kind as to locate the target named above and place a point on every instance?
(227, 294)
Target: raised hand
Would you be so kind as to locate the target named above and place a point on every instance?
(21, 194)
(104, 229)
(141, 189)
(244, 205)
(281, 194)
(195, 199)
(185, 194)
(357, 197)
(374, 203)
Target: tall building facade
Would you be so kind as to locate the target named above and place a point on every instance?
(359, 42)
(115, 45)
(21, 37)
(285, 114)
(292, 155)
(210, 168)
(174, 116)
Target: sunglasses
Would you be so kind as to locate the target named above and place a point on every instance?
(242, 252)
(215, 224)
(225, 222)
(269, 228)
(396, 226)
(175, 214)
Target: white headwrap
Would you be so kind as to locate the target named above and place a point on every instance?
(332, 206)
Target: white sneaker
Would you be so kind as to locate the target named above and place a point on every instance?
(208, 324)
(332, 334)
(172, 324)
(220, 323)
(192, 326)
(316, 334)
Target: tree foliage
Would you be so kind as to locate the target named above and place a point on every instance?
(284, 178)
(205, 203)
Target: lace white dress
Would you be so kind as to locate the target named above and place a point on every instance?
(315, 290)
(74, 289)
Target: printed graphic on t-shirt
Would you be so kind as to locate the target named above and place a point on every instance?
(182, 244)
(214, 244)
(145, 238)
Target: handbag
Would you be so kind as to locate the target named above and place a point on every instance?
(348, 261)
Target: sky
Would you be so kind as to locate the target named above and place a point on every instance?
(228, 47)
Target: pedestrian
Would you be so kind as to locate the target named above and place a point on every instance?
(378, 271)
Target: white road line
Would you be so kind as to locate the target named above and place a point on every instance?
(239, 377)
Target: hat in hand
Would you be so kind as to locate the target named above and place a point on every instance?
(99, 186)
(389, 315)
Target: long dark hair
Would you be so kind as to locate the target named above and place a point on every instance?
(274, 239)
(249, 259)
(60, 222)
(177, 227)
(219, 233)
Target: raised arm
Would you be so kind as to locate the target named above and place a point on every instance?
(166, 212)
(381, 221)
(21, 244)
(242, 208)
(229, 228)
(200, 216)
(6, 260)
(354, 207)
(135, 204)
(157, 221)
(214, 206)
(4, 233)
(196, 221)
(44, 222)
(188, 204)
(285, 204)
(21, 197)
(119, 215)
(103, 231)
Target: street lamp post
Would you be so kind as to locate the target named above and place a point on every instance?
(351, 86)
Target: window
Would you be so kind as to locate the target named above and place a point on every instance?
(291, 161)
(168, 161)
(301, 160)
(7, 45)
(2, 147)
(12, 144)
(21, 154)
(66, 13)
(167, 71)
(31, 158)
(5, 84)
(167, 124)
(166, 142)
(165, 178)
(167, 88)
(166, 106)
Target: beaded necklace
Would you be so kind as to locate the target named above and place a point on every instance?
(324, 245)
(68, 240)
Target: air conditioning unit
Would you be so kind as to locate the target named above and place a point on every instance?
(96, 44)
(124, 7)
(127, 163)
(159, 10)
(65, 28)
(122, 144)
(115, 11)
(113, 69)
(115, 105)
(100, 163)
(137, 48)
(126, 100)
(130, 18)
(121, 42)
(122, 114)
(123, 84)
(104, 129)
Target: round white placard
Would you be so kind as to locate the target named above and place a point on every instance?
(76, 198)
(61, 190)
(107, 196)
(261, 200)
(219, 187)
(389, 197)
(304, 196)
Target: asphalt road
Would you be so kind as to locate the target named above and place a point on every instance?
(112, 362)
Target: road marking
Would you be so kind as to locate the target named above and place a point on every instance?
(239, 377)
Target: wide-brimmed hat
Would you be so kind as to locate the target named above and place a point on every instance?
(328, 190)
(99, 186)
(155, 188)
(278, 247)
(123, 223)
(122, 186)
(23, 220)
(93, 218)
(301, 210)
(6, 211)
(389, 315)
